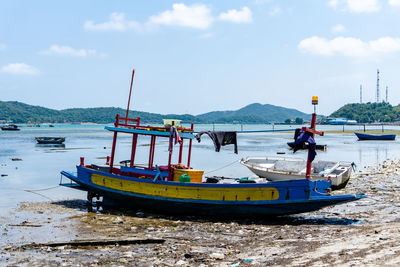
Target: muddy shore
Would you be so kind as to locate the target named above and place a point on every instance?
(366, 232)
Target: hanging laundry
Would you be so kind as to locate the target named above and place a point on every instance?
(302, 138)
(220, 139)
(173, 135)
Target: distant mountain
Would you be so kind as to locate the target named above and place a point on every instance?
(256, 113)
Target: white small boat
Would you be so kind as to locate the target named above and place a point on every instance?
(284, 169)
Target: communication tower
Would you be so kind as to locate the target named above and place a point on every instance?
(387, 94)
(360, 93)
(377, 86)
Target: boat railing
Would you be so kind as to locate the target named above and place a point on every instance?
(127, 123)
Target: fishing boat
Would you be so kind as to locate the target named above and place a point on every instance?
(305, 146)
(177, 188)
(286, 169)
(50, 140)
(363, 137)
(10, 127)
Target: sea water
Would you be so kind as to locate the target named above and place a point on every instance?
(31, 172)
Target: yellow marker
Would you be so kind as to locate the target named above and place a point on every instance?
(314, 100)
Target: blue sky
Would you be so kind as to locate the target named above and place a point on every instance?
(198, 56)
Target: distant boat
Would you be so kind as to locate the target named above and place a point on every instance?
(51, 125)
(305, 146)
(375, 137)
(50, 140)
(10, 127)
(341, 121)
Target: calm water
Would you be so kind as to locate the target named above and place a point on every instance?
(40, 166)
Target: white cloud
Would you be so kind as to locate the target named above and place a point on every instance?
(117, 22)
(333, 3)
(349, 46)
(3, 47)
(19, 69)
(69, 51)
(197, 16)
(338, 28)
(194, 16)
(356, 6)
(237, 16)
(394, 2)
(275, 11)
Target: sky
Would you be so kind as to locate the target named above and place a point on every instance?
(199, 56)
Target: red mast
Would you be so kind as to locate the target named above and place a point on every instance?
(313, 131)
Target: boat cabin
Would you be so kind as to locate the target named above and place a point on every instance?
(171, 171)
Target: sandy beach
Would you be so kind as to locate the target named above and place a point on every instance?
(366, 232)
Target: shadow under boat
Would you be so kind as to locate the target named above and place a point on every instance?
(50, 145)
(106, 207)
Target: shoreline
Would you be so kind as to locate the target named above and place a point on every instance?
(363, 232)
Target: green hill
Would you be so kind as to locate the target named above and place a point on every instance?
(368, 112)
(23, 113)
(255, 113)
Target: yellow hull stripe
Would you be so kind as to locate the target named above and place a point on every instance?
(188, 192)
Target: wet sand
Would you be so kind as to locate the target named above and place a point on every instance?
(366, 232)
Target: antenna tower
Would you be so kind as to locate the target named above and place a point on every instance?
(387, 94)
(360, 93)
(377, 86)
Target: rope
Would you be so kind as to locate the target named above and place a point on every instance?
(43, 189)
(222, 167)
(38, 194)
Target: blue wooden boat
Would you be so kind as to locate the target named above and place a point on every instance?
(362, 136)
(167, 189)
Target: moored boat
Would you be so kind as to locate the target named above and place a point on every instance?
(306, 146)
(50, 140)
(387, 137)
(286, 169)
(10, 127)
(176, 188)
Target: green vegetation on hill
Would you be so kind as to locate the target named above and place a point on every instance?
(254, 113)
(22, 113)
(368, 112)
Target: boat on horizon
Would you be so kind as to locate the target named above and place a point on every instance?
(388, 137)
(177, 188)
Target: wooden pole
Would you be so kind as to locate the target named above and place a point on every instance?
(129, 99)
(309, 163)
(190, 149)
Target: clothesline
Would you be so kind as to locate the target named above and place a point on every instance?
(259, 131)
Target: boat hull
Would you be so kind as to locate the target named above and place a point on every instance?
(9, 129)
(384, 137)
(233, 200)
(50, 140)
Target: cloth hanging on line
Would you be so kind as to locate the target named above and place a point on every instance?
(220, 139)
(173, 135)
(302, 138)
